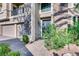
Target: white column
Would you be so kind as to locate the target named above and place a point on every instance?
(10, 9)
(15, 30)
(41, 28)
(34, 21)
(0, 30)
(70, 5)
(51, 13)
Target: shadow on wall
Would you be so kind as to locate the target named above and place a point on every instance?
(60, 12)
(60, 17)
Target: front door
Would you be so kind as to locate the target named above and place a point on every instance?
(44, 24)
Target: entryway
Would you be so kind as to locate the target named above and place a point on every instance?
(44, 23)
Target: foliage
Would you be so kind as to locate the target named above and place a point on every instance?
(6, 51)
(48, 32)
(69, 37)
(56, 39)
(76, 31)
(25, 38)
(77, 42)
(13, 54)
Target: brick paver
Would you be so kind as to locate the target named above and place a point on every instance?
(37, 48)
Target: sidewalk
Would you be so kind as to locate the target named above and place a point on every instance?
(37, 48)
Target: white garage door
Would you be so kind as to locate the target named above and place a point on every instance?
(8, 30)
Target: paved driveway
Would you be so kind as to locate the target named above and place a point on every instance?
(16, 45)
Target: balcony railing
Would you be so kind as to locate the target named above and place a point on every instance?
(17, 11)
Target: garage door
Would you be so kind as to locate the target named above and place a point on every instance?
(8, 30)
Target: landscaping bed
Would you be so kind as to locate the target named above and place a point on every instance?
(73, 51)
(62, 41)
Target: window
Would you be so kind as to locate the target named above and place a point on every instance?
(18, 8)
(45, 7)
(45, 23)
(21, 8)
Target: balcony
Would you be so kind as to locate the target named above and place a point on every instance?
(17, 11)
(4, 15)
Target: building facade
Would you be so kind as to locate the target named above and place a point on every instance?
(17, 19)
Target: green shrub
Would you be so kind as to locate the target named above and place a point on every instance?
(56, 39)
(4, 49)
(13, 54)
(47, 34)
(74, 30)
(25, 39)
(61, 39)
(53, 39)
(77, 42)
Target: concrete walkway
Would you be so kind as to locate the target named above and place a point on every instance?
(16, 45)
(37, 48)
(5, 38)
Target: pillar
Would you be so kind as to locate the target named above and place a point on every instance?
(70, 5)
(51, 13)
(10, 9)
(34, 22)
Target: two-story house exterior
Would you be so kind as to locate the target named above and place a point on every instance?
(17, 19)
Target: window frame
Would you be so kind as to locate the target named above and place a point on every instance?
(44, 10)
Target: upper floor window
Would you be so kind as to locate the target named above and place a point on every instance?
(18, 8)
(45, 7)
